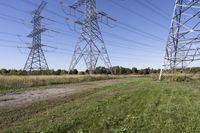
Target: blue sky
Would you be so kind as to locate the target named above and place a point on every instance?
(126, 48)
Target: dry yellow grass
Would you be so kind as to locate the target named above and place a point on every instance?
(9, 83)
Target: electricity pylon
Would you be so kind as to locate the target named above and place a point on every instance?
(90, 45)
(183, 44)
(36, 60)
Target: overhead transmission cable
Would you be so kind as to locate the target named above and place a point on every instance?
(64, 51)
(138, 14)
(158, 8)
(108, 33)
(119, 22)
(116, 44)
(147, 5)
(111, 34)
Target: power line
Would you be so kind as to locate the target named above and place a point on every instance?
(158, 8)
(26, 12)
(23, 21)
(123, 24)
(107, 33)
(62, 49)
(69, 52)
(138, 14)
(152, 9)
(11, 20)
(9, 46)
(59, 31)
(132, 48)
(116, 44)
(12, 7)
(4, 40)
(129, 40)
(17, 42)
(117, 36)
(48, 10)
(128, 27)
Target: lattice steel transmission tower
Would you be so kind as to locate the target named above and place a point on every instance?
(36, 60)
(183, 44)
(90, 45)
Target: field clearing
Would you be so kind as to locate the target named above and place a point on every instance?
(139, 105)
(28, 97)
(10, 84)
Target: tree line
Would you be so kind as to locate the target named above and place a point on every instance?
(118, 70)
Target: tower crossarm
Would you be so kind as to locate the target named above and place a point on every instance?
(77, 4)
(40, 8)
(38, 31)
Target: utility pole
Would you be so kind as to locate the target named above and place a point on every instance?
(36, 60)
(183, 44)
(90, 45)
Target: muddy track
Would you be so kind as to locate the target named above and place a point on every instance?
(26, 98)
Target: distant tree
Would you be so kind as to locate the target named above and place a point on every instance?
(134, 70)
(154, 71)
(116, 70)
(128, 71)
(146, 71)
(109, 71)
(4, 71)
(63, 72)
(58, 72)
(87, 71)
(101, 70)
(13, 72)
(75, 71)
(23, 72)
(122, 70)
(194, 70)
(82, 73)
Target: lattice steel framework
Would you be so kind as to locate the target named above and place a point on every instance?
(36, 60)
(183, 44)
(90, 45)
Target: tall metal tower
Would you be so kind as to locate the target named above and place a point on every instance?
(36, 60)
(90, 45)
(183, 44)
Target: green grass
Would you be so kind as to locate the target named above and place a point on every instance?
(142, 105)
(18, 83)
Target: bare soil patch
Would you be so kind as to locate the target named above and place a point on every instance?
(13, 100)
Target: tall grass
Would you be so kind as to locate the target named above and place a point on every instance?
(178, 77)
(17, 82)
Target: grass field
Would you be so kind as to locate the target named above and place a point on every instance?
(141, 105)
(18, 83)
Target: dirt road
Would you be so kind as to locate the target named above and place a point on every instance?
(26, 98)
